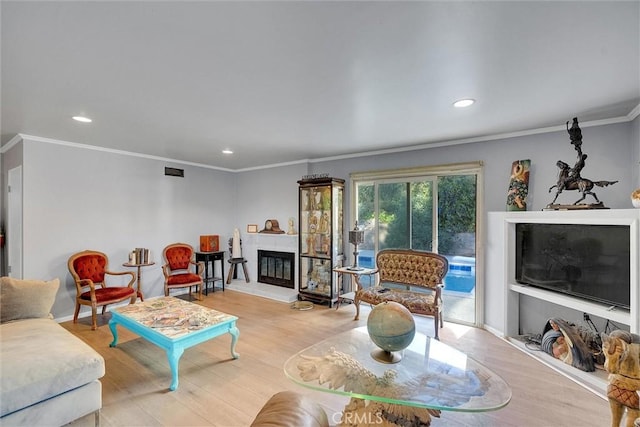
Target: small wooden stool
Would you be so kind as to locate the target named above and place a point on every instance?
(232, 270)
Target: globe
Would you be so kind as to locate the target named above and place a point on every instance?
(392, 328)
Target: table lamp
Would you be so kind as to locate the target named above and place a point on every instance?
(356, 237)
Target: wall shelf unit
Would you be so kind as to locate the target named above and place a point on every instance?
(526, 309)
(614, 314)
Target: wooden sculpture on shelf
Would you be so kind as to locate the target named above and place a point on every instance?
(622, 361)
(563, 341)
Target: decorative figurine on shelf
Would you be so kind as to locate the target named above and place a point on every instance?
(324, 223)
(311, 238)
(325, 199)
(236, 251)
(326, 242)
(312, 204)
(622, 360)
(356, 237)
(635, 198)
(564, 341)
(570, 178)
(292, 229)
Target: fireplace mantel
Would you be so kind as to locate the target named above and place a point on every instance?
(251, 242)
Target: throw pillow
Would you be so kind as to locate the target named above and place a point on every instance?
(26, 299)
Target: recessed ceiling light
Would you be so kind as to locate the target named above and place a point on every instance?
(227, 151)
(82, 119)
(463, 103)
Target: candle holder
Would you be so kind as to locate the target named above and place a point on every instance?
(356, 237)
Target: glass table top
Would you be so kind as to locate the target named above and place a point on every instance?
(430, 375)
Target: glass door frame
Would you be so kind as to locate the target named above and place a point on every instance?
(427, 173)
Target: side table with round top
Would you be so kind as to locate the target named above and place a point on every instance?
(139, 277)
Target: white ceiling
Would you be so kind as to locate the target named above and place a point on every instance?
(285, 81)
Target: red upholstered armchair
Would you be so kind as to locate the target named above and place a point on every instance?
(89, 270)
(177, 269)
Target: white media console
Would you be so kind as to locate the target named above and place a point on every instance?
(513, 309)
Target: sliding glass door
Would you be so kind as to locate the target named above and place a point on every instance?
(425, 212)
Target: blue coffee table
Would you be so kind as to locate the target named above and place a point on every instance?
(174, 325)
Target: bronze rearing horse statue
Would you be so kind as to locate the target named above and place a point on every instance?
(568, 182)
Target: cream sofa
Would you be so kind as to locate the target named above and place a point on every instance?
(49, 377)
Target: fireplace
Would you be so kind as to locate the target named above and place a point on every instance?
(277, 268)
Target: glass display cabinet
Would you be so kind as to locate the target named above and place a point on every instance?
(320, 202)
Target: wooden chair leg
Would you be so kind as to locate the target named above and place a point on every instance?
(94, 317)
(246, 273)
(77, 312)
(230, 275)
(356, 302)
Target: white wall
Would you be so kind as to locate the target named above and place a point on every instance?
(77, 198)
(270, 193)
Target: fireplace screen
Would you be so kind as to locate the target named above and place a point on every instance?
(276, 268)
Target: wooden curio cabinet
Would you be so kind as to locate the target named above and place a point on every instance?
(320, 202)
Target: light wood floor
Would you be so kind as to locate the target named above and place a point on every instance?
(216, 390)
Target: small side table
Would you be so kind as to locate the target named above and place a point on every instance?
(211, 257)
(139, 279)
(355, 277)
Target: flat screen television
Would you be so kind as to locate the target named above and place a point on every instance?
(582, 260)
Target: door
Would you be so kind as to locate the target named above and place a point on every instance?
(431, 213)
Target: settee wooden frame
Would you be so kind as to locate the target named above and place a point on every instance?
(409, 277)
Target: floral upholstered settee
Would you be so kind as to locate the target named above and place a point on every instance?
(411, 278)
(49, 376)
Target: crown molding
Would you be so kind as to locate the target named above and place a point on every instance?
(622, 119)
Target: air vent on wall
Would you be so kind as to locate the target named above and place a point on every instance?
(174, 172)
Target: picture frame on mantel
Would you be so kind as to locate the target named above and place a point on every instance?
(252, 228)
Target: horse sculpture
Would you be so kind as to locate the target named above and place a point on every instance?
(568, 181)
(622, 360)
